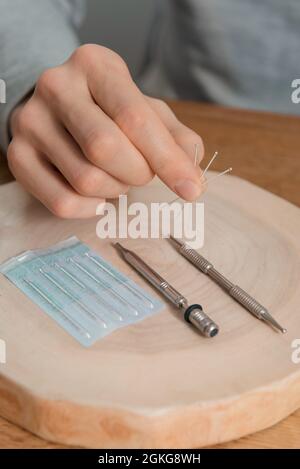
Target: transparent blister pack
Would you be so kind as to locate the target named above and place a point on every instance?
(80, 290)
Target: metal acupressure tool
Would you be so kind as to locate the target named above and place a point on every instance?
(259, 311)
(193, 314)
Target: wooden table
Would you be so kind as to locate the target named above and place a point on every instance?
(262, 148)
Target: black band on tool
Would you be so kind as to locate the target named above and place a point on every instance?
(189, 310)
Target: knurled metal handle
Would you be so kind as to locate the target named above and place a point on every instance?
(205, 266)
(198, 260)
(248, 301)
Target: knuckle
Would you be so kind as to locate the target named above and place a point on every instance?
(115, 61)
(163, 109)
(130, 117)
(14, 156)
(85, 52)
(26, 118)
(88, 53)
(51, 82)
(100, 146)
(64, 207)
(161, 104)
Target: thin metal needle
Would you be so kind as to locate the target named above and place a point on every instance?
(85, 287)
(92, 315)
(113, 293)
(218, 175)
(210, 163)
(196, 158)
(139, 295)
(205, 171)
(65, 315)
(68, 274)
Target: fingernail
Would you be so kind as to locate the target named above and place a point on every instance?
(187, 189)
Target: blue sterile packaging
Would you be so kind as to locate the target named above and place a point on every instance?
(80, 290)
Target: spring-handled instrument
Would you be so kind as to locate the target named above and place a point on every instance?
(236, 292)
(193, 314)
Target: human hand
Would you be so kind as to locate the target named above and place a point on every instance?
(87, 133)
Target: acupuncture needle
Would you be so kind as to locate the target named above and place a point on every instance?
(97, 280)
(73, 298)
(64, 314)
(85, 287)
(205, 181)
(137, 294)
(218, 175)
(196, 157)
(209, 164)
(68, 274)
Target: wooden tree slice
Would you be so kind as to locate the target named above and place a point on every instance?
(159, 383)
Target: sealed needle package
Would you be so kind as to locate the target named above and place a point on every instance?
(80, 290)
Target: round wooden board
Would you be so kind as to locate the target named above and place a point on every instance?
(159, 383)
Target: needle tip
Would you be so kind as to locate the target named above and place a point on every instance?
(270, 320)
(118, 246)
(121, 249)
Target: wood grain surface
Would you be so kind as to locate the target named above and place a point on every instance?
(263, 149)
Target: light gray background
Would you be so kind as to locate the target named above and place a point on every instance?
(122, 25)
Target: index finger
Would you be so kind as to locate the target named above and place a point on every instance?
(120, 98)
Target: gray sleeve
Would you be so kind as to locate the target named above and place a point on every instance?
(34, 35)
